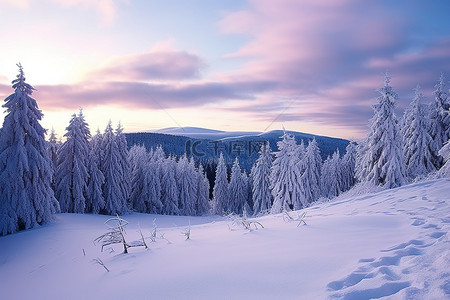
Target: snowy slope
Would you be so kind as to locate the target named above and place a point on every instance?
(391, 243)
(204, 133)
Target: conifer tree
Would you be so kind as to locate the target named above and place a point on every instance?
(220, 192)
(248, 204)
(237, 189)
(187, 187)
(202, 204)
(124, 164)
(331, 176)
(440, 120)
(153, 179)
(169, 188)
(72, 173)
(139, 162)
(444, 171)
(310, 178)
(115, 200)
(348, 167)
(26, 196)
(52, 149)
(260, 177)
(380, 156)
(95, 202)
(417, 142)
(285, 176)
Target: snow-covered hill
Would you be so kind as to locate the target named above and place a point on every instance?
(204, 133)
(391, 243)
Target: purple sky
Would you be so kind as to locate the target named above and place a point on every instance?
(310, 65)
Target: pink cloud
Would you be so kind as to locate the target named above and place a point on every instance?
(155, 65)
(334, 53)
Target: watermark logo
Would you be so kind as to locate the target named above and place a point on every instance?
(231, 147)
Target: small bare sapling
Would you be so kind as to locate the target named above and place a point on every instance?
(116, 235)
(243, 222)
(187, 231)
(300, 217)
(100, 262)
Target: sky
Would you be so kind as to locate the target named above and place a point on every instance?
(312, 66)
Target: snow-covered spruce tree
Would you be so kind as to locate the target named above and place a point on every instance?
(26, 196)
(440, 120)
(310, 178)
(72, 172)
(94, 198)
(331, 176)
(444, 171)
(187, 187)
(380, 156)
(139, 161)
(124, 164)
(52, 149)
(285, 176)
(260, 177)
(220, 193)
(202, 206)
(348, 167)
(169, 188)
(237, 189)
(115, 200)
(247, 192)
(416, 139)
(153, 179)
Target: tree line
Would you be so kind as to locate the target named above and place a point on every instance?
(101, 174)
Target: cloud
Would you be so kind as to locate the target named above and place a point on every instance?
(156, 65)
(144, 95)
(332, 54)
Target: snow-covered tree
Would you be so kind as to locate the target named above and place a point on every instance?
(260, 178)
(285, 176)
(380, 156)
(220, 192)
(52, 149)
(153, 178)
(202, 205)
(348, 167)
(417, 142)
(26, 195)
(115, 198)
(124, 164)
(331, 176)
(187, 187)
(445, 153)
(310, 167)
(95, 202)
(139, 161)
(237, 189)
(440, 120)
(72, 172)
(248, 192)
(169, 188)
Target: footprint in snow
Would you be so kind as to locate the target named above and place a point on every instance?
(347, 288)
(437, 234)
(418, 222)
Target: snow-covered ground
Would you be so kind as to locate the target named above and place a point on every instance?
(392, 243)
(205, 133)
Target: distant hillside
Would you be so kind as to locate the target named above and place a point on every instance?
(244, 145)
(203, 133)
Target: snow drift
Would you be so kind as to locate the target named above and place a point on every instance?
(394, 242)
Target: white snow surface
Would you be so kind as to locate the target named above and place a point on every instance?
(392, 244)
(205, 133)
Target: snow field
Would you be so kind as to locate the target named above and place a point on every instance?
(393, 243)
